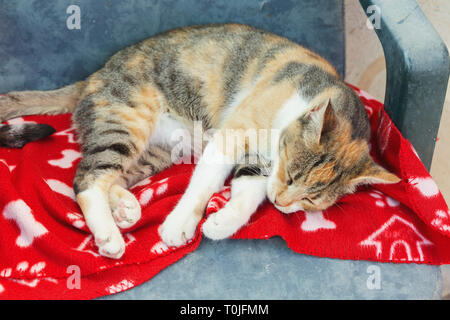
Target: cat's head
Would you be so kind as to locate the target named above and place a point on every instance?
(319, 161)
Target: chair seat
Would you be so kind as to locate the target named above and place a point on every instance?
(268, 269)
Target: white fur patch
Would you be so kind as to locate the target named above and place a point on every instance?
(247, 193)
(235, 102)
(100, 222)
(146, 196)
(208, 177)
(164, 130)
(293, 108)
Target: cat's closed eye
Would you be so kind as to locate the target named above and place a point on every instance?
(314, 197)
(289, 179)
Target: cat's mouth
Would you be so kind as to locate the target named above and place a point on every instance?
(289, 209)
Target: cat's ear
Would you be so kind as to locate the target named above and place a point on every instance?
(321, 121)
(374, 173)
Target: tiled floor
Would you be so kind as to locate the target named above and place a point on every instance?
(365, 67)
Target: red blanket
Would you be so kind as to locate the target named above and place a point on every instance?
(46, 250)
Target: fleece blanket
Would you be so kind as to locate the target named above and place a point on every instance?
(47, 252)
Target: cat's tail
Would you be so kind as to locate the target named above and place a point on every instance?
(22, 103)
(17, 135)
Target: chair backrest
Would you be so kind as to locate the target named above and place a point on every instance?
(39, 51)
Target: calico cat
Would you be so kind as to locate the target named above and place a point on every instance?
(228, 77)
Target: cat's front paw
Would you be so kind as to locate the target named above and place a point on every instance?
(178, 228)
(222, 224)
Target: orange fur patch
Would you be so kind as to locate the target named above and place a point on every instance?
(135, 61)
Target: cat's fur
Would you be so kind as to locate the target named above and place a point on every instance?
(228, 77)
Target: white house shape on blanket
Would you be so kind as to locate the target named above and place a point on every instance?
(29, 228)
(397, 236)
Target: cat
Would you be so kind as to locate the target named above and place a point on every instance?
(227, 77)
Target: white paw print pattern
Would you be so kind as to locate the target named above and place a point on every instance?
(383, 200)
(121, 286)
(442, 220)
(144, 182)
(159, 248)
(426, 186)
(147, 195)
(6, 273)
(24, 268)
(216, 202)
(33, 283)
(76, 219)
(37, 268)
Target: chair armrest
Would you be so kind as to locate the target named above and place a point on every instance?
(417, 65)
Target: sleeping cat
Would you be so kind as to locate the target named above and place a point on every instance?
(228, 77)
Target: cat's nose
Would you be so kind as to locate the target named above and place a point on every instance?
(282, 204)
(277, 203)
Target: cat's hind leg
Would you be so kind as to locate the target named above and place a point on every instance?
(113, 135)
(247, 193)
(125, 208)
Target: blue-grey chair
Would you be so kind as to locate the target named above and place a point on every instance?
(39, 51)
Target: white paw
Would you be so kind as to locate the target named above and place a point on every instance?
(179, 228)
(125, 208)
(222, 224)
(110, 243)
